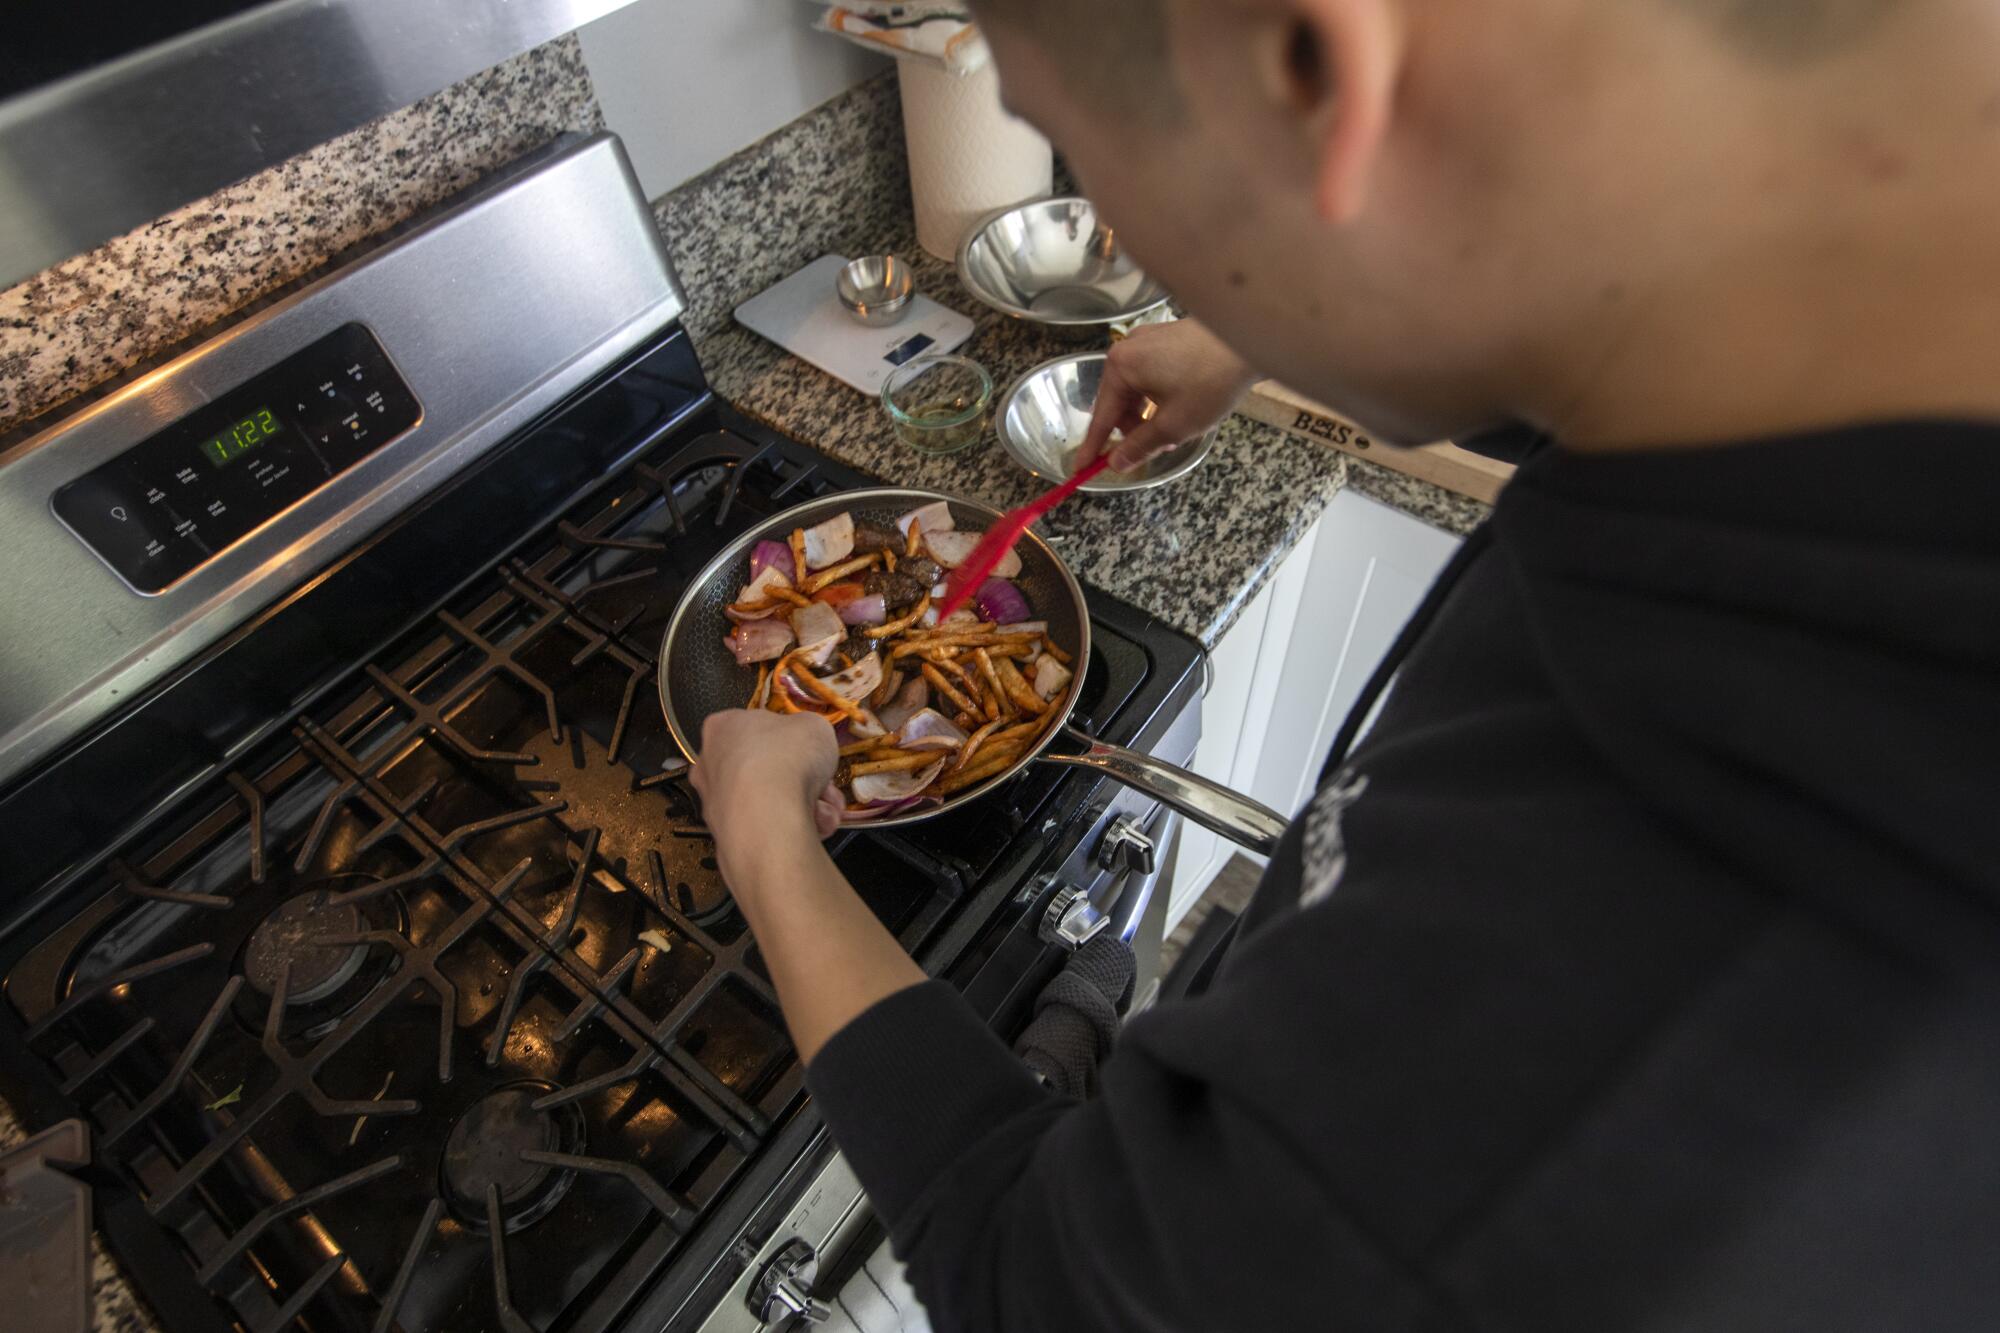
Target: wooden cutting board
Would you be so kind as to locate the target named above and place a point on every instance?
(1444, 465)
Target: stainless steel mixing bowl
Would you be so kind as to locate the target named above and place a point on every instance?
(1053, 262)
(1043, 416)
(877, 290)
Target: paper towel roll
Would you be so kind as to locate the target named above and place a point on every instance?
(967, 155)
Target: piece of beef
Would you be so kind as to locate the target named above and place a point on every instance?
(868, 537)
(857, 645)
(921, 567)
(897, 590)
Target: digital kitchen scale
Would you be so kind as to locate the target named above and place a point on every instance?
(804, 316)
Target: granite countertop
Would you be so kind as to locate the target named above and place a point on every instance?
(1192, 553)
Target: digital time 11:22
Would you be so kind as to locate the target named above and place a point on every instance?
(240, 438)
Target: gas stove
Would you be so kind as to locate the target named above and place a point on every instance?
(376, 938)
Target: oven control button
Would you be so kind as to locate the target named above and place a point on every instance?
(1125, 848)
(1072, 919)
(783, 1290)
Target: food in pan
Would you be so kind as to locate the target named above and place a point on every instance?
(838, 621)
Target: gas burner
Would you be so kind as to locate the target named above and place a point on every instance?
(326, 980)
(289, 935)
(485, 1151)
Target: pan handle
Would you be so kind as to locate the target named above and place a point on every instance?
(1243, 821)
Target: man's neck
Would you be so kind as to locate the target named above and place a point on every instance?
(1865, 287)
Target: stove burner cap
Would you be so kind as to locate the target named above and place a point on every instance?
(485, 1149)
(318, 970)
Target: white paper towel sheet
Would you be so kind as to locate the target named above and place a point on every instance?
(967, 155)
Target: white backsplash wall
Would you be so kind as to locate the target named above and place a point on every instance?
(686, 83)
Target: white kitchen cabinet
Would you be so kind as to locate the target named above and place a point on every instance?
(1296, 660)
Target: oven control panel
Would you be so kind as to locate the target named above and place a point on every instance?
(183, 495)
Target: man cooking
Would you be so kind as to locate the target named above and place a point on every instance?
(1639, 969)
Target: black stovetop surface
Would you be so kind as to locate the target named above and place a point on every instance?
(426, 1007)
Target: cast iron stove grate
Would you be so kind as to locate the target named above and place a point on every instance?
(435, 1013)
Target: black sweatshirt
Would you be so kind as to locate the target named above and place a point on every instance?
(1640, 971)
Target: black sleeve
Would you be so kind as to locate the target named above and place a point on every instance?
(1304, 1140)
(1020, 1210)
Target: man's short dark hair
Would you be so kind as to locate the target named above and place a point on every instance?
(1792, 31)
(1111, 53)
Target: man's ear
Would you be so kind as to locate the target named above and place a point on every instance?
(1335, 63)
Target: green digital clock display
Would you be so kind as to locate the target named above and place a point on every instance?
(240, 438)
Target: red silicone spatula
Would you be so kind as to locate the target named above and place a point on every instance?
(976, 568)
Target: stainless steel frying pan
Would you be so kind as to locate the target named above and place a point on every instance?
(698, 676)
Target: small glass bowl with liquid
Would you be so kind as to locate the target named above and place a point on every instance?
(939, 403)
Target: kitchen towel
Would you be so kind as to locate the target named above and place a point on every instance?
(968, 157)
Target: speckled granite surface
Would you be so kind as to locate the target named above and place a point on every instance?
(1433, 504)
(118, 1308)
(834, 180)
(98, 315)
(1193, 553)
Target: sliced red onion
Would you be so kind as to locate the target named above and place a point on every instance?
(820, 630)
(770, 555)
(950, 549)
(909, 701)
(861, 814)
(1009, 566)
(890, 787)
(935, 517)
(759, 641)
(798, 693)
(963, 618)
(830, 542)
(869, 610)
(759, 590)
(1038, 628)
(929, 618)
(1051, 677)
(1000, 602)
(864, 728)
(929, 729)
(858, 681)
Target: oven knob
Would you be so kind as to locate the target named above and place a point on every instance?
(783, 1290)
(1125, 848)
(1072, 919)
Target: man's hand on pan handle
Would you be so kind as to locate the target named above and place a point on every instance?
(1164, 384)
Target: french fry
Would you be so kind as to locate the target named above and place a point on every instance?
(788, 595)
(835, 573)
(847, 707)
(758, 695)
(753, 608)
(1050, 647)
(1024, 731)
(859, 747)
(798, 544)
(892, 681)
(902, 763)
(965, 721)
(963, 639)
(949, 691)
(889, 559)
(991, 676)
(895, 627)
(971, 746)
(1018, 690)
(914, 538)
(991, 761)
